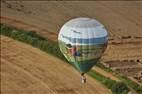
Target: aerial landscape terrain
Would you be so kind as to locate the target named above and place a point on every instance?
(28, 70)
(39, 73)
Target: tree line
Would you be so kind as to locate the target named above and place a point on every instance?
(32, 38)
(114, 86)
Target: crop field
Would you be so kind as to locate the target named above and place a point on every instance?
(123, 20)
(130, 68)
(28, 70)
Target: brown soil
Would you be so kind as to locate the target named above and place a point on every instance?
(121, 18)
(27, 70)
(27, 27)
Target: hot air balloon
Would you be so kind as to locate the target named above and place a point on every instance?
(82, 41)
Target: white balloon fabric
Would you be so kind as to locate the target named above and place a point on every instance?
(82, 41)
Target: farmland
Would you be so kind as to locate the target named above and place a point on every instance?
(47, 20)
(28, 70)
(50, 16)
(122, 19)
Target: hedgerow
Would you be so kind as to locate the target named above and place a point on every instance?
(114, 86)
(32, 38)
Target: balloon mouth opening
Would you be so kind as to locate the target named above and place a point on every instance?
(82, 74)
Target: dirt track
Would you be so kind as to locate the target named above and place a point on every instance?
(27, 70)
(121, 18)
(106, 74)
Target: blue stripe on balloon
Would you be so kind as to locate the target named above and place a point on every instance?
(87, 41)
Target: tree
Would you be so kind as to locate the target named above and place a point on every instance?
(120, 88)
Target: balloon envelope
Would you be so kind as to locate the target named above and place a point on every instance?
(83, 41)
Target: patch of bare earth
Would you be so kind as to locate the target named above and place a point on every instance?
(27, 70)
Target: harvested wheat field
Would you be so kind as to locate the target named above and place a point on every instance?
(27, 70)
(123, 19)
